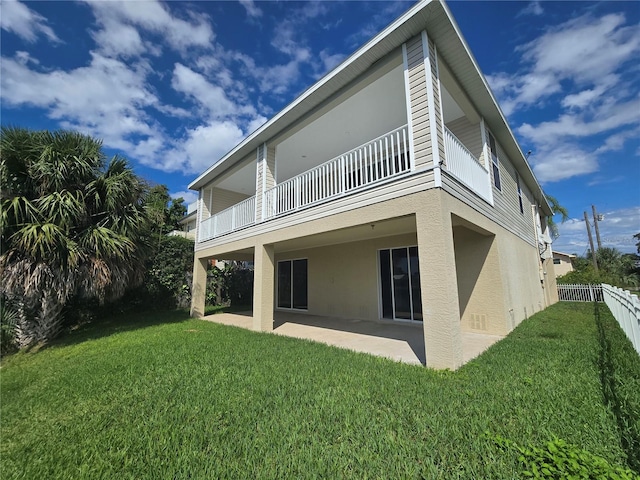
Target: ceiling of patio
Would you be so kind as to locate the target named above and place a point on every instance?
(375, 110)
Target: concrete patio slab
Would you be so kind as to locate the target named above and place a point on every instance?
(397, 341)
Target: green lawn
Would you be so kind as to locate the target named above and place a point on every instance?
(162, 396)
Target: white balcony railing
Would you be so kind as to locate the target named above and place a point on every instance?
(463, 165)
(233, 218)
(375, 161)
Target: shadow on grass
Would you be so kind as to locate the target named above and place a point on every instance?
(626, 418)
(113, 323)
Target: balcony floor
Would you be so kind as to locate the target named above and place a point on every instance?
(401, 342)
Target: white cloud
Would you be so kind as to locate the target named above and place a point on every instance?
(203, 146)
(330, 61)
(116, 38)
(534, 8)
(189, 196)
(559, 162)
(581, 66)
(256, 123)
(106, 99)
(606, 117)
(116, 17)
(616, 141)
(616, 231)
(17, 18)
(194, 85)
(252, 9)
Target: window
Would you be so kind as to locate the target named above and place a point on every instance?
(400, 283)
(494, 161)
(556, 261)
(519, 193)
(292, 284)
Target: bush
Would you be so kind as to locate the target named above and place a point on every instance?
(230, 286)
(8, 319)
(168, 280)
(559, 459)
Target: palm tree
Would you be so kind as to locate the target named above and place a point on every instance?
(556, 208)
(71, 225)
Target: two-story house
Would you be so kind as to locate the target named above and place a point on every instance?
(391, 190)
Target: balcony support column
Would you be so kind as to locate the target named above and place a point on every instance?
(438, 285)
(199, 287)
(263, 287)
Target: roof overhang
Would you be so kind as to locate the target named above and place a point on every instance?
(433, 16)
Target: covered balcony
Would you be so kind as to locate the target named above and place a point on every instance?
(357, 141)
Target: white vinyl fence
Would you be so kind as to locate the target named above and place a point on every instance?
(580, 293)
(625, 307)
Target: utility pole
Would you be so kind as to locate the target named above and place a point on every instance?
(596, 217)
(593, 251)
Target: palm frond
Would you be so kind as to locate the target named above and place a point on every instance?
(62, 208)
(16, 212)
(46, 242)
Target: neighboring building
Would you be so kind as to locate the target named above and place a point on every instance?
(188, 223)
(391, 189)
(563, 263)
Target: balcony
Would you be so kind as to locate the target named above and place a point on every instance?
(465, 166)
(375, 162)
(380, 159)
(229, 220)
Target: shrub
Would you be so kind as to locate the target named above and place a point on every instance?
(231, 285)
(559, 459)
(168, 280)
(8, 319)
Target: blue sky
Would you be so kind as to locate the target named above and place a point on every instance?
(174, 85)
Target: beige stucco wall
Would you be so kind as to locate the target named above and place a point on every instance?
(510, 285)
(343, 279)
(480, 289)
(565, 266)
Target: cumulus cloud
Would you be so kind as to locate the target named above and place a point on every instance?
(127, 18)
(17, 18)
(203, 146)
(582, 67)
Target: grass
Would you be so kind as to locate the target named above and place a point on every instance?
(162, 396)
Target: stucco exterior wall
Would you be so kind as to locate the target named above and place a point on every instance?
(565, 266)
(343, 278)
(509, 286)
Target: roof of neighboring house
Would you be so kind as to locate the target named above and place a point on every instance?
(570, 255)
(189, 217)
(435, 17)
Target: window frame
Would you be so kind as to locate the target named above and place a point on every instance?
(519, 193)
(292, 306)
(495, 162)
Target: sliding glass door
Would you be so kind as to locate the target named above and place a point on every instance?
(292, 284)
(400, 283)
